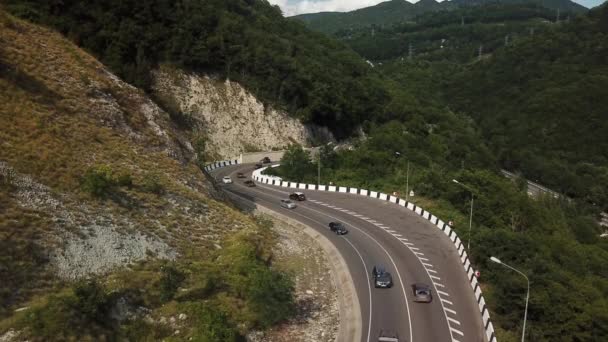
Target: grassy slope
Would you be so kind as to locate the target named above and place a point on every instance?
(61, 113)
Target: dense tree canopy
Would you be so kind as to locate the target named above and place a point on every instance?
(315, 78)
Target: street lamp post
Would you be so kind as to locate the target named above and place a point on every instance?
(523, 332)
(407, 178)
(470, 214)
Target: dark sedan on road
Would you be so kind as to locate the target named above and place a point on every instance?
(249, 183)
(382, 278)
(240, 175)
(422, 293)
(297, 196)
(338, 228)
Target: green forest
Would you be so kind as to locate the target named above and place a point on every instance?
(314, 78)
(534, 103)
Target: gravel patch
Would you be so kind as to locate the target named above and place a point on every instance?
(317, 317)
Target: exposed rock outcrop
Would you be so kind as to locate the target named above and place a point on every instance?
(232, 119)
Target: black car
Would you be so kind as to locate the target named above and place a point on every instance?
(258, 165)
(249, 183)
(265, 160)
(338, 228)
(240, 175)
(382, 278)
(297, 196)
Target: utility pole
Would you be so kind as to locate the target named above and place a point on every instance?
(462, 21)
(557, 16)
(480, 51)
(410, 52)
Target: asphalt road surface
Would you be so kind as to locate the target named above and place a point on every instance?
(408, 246)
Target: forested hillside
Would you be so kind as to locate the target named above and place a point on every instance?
(455, 36)
(315, 78)
(386, 14)
(541, 104)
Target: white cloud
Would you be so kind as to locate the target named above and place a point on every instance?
(293, 7)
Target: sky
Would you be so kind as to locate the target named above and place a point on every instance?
(293, 7)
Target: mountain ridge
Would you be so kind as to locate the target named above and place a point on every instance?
(398, 11)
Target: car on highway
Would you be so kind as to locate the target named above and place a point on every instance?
(338, 228)
(382, 278)
(285, 203)
(422, 293)
(297, 196)
(249, 183)
(227, 180)
(240, 175)
(258, 165)
(388, 336)
(265, 160)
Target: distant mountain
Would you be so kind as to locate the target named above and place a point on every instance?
(398, 11)
(562, 5)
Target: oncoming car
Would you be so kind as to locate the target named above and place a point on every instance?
(338, 228)
(297, 196)
(285, 203)
(240, 175)
(227, 180)
(422, 293)
(382, 278)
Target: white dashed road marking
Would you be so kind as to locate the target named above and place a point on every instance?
(450, 311)
(424, 261)
(457, 331)
(447, 301)
(453, 320)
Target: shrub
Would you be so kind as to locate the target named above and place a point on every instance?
(170, 281)
(101, 181)
(151, 183)
(211, 324)
(98, 181)
(92, 301)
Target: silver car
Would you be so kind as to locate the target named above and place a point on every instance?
(227, 180)
(285, 203)
(422, 293)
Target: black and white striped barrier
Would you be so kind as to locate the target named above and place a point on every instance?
(468, 268)
(221, 164)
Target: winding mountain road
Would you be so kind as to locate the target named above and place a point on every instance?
(408, 246)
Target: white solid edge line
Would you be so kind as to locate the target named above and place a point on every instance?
(369, 287)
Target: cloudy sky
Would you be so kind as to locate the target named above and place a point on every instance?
(293, 7)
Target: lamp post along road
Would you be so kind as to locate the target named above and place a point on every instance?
(407, 177)
(407, 182)
(470, 214)
(523, 332)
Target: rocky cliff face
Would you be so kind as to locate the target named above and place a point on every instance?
(62, 114)
(232, 120)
